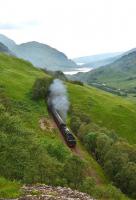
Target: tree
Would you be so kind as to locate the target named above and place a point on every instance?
(114, 162)
(103, 145)
(90, 141)
(88, 185)
(127, 179)
(40, 88)
(73, 171)
(75, 124)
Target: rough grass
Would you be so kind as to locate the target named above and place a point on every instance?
(17, 78)
(9, 189)
(106, 110)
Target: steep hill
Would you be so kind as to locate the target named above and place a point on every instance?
(38, 155)
(119, 74)
(7, 42)
(106, 110)
(4, 49)
(43, 56)
(40, 55)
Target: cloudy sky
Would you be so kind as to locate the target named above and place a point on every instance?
(76, 27)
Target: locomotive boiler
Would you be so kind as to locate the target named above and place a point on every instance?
(68, 136)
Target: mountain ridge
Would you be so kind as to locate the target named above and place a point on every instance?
(120, 73)
(5, 49)
(41, 55)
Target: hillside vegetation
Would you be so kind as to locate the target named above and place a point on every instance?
(30, 154)
(106, 110)
(119, 74)
(99, 60)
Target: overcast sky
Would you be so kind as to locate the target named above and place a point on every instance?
(76, 27)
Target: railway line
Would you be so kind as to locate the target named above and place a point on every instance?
(79, 151)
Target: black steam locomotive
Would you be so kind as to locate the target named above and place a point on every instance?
(69, 138)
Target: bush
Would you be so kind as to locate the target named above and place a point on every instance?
(90, 141)
(76, 82)
(108, 192)
(101, 191)
(40, 88)
(75, 123)
(88, 185)
(127, 179)
(73, 171)
(116, 156)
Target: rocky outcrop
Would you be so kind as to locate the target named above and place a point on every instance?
(44, 192)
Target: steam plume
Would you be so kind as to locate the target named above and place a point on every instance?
(58, 97)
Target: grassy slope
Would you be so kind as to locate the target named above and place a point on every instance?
(17, 78)
(119, 74)
(106, 109)
(9, 189)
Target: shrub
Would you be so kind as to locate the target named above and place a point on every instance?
(40, 88)
(73, 171)
(75, 123)
(127, 179)
(90, 141)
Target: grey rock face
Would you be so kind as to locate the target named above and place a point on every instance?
(44, 192)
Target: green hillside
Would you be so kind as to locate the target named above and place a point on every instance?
(30, 154)
(119, 74)
(106, 110)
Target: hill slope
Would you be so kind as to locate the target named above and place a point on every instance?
(36, 155)
(40, 154)
(106, 110)
(44, 56)
(40, 55)
(99, 63)
(7, 42)
(98, 60)
(119, 74)
(4, 49)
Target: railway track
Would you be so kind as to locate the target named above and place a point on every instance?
(75, 150)
(78, 151)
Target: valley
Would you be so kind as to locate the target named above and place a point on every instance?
(22, 114)
(15, 96)
(68, 100)
(117, 77)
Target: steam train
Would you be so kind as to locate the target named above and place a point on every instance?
(68, 136)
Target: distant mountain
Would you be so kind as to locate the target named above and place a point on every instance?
(7, 42)
(4, 49)
(41, 55)
(96, 58)
(99, 63)
(120, 74)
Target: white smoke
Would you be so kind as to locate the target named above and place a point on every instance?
(59, 98)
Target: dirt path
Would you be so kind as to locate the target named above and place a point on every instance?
(47, 124)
